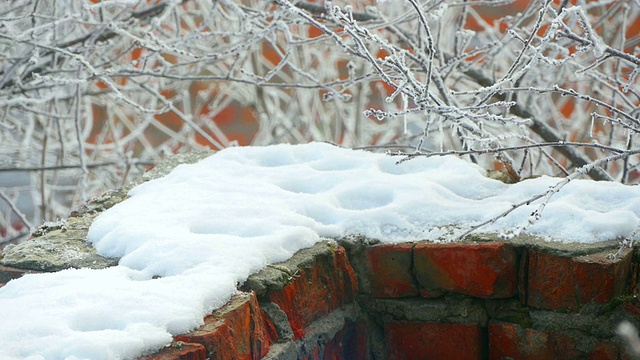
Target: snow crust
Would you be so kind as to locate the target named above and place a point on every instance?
(188, 239)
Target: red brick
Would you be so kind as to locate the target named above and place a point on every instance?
(512, 341)
(486, 270)
(564, 283)
(423, 340)
(327, 284)
(236, 331)
(179, 351)
(389, 271)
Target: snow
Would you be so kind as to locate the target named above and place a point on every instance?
(188, 239)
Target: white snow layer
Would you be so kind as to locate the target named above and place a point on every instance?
(186, 240)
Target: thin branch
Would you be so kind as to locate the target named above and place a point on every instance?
(15, 209)
(409, 156)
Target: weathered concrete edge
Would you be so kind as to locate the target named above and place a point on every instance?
(62, 245)
(277, 276)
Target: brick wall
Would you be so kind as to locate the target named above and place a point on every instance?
(484, 299)
(474, 300)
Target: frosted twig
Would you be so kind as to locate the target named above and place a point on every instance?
(15, 210)
(545, 197)
(409, 156)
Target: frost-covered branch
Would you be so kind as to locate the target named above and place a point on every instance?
(90, 89)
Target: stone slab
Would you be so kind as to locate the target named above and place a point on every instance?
(57, 249)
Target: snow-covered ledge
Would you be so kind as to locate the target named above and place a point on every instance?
(185, 241)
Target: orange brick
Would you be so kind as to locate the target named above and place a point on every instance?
(327, 284)
(424, 340)
(512, 341)
(236, 331)
(486, 270)
(564, 283)
(389, 271)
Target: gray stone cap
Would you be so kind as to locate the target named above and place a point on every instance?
(276, 276)
(60, 247)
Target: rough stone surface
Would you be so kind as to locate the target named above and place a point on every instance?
(423, 340)
(338, 323)
(97, 205)
(390, 271)
(594, 320)
(279, 319)
(57, 249)
(321, 272)
(485, 270)
(276, 277)
(556, 248)
(567, 283)
(238, 330)
(356, 247)
(509, 310)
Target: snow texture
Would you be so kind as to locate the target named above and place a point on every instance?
(188, 239)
